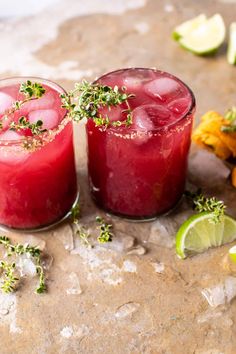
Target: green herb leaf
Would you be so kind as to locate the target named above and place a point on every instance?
(106, 234)
(9, 280)
(202, 203)
(87, 98)
(75, 213)
(23, 123)
(230, 116)
(17, 250)
(32, 89)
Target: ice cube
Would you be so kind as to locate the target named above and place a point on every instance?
(163, 88)
(26, 266)
(47, 101)
(75, 288)
(134, 78)
(222, 293)
(5, 102)
(179, 106)
(113, 113)
(126, 310)
(10, 135)
(48, 116)
(149, 117)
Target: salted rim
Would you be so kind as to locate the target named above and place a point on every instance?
(172, 124)
(50, 133)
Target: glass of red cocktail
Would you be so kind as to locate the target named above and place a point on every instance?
(38, 183)
(139, 171)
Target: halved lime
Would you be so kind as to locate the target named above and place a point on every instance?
(206, 38)
(232, 254)
(199, 232)
(231, 52)
(188, 26)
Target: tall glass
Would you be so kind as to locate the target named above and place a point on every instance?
(38, 183)
(140, 171)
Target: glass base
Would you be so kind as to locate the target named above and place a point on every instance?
(142, 219)
(44, 227)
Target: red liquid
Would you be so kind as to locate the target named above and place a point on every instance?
(37, 188)
(140, 171)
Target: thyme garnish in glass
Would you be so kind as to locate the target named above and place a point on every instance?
(87, 99)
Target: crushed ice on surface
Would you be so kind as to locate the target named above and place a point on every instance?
(142, 27)
(163, 232)
(159, 267)
(26, 266)
(75, 288)
(8, 311)
(222, 293)
(137, 250)
(126, 310)
(65, 236)
(74, 331)
(129, 266)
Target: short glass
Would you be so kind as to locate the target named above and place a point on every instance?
(38, 184)
(139, 171)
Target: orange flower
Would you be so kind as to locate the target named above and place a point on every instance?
(209, 135)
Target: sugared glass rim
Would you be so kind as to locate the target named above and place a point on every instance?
(167, 126)
(5, 82)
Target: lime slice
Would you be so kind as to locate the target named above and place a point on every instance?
(206, 38)
(188, 26)
(199, 232)
(231, 52)
(232, 254)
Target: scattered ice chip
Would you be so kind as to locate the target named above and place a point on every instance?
(75, 288)
(126, 310)
(129, 267)
(48, 116)
(26, 266)
(179, 106)
(142, 27)
(67, 332)
(10, 135)
(163, 88)
(222, 293)
(163, 232)
(5, 102)
(150, 116)
(137, 250)
(159, 267)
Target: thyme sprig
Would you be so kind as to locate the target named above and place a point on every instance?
(212, 205)
(106, 234)
(87, 99)
(230, 116)
(23, 123)
(31, 91)
(10, 280)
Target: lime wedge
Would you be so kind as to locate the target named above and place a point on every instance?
(231, 52)
(188, 26)
(206, 38)
(232, 254)
(199, 232)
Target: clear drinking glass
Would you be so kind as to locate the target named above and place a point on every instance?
(140, 171)
(38, 183)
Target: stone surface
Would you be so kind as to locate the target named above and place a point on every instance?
(132, 296)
